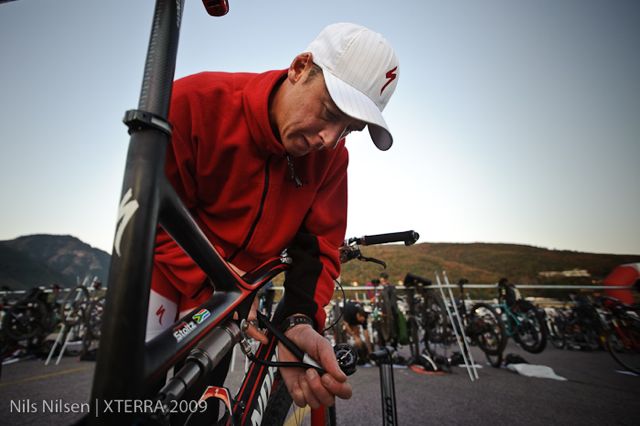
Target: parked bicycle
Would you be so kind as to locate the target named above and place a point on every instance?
(574, 328)
(81, 318)
(620, 331)
(523, 321)
(27, 322)
(482, 324)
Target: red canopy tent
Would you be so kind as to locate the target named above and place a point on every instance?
(623, 275)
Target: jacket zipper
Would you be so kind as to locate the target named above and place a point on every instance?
(252, 229)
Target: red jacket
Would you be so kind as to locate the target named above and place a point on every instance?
(232, 173)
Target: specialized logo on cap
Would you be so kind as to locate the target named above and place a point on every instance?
(390, 75)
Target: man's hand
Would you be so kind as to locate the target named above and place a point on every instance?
(307, 387)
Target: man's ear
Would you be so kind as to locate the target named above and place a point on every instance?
(299, 66)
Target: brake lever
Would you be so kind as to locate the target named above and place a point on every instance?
(373, 260)
(348, 253)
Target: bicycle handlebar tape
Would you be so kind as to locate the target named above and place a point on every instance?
(411, 280)
(407, 237)
(216, 7)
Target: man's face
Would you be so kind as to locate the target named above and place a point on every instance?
(310, 120)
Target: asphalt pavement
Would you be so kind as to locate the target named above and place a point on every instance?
(595, 393)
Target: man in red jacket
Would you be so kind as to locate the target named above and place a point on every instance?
(260, 161)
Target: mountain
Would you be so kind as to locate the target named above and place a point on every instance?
(483, 263)
(47, 259)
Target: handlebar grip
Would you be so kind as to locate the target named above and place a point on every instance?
(408, 237)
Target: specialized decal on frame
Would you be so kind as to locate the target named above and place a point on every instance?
(128, 207)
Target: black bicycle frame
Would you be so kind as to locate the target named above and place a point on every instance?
(126, 365)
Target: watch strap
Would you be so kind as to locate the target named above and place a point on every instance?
(294, 320)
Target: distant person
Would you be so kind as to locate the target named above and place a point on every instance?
(356, 326)
(371, 293)
(507, 292)
(389, 302)
(384, 279)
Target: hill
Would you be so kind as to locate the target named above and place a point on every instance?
(484, 263)
(63, 259)
(47, 259)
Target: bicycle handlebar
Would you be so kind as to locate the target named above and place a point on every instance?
(407, 237)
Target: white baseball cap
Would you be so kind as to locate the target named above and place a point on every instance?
(361, 72)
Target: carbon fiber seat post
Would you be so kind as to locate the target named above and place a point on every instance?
(120, 365)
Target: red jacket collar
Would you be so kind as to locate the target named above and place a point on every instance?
(256, 107)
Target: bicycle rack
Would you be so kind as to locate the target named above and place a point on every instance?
(462, 342)
(64, 333)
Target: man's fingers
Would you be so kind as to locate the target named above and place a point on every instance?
(252, 312)
(253, 332)
(308, 393)
(297, 394)
(319, 391)
(341, 390)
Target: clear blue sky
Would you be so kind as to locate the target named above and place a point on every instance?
(514, 121)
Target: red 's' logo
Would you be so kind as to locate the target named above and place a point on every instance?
(160, 313)
(390, 75)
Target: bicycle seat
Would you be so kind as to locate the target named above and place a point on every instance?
(412, 280)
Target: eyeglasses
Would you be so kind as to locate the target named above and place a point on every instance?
(347, 130)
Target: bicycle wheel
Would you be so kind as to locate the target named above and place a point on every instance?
(531, 333)
(494, 360)
(556, 332)
(280, 408)
(25, 320)
(623, 343)
(435, 322)
(486, 328)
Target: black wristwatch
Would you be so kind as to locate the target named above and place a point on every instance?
(294, 320)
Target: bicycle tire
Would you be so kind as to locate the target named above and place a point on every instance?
(494, 360)
(557, 334)
(487, 329)
(435, 321)
(531, 332)
(24, 320)
(629, 357)
(280, 406)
